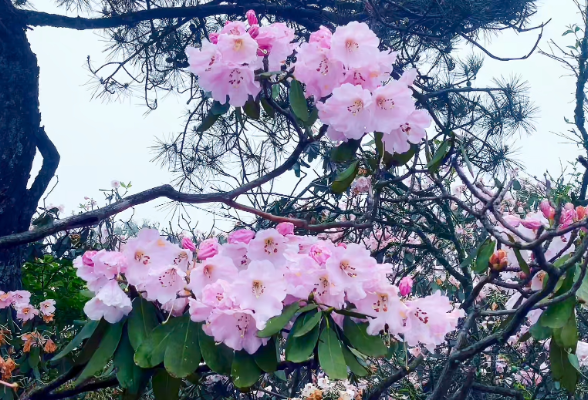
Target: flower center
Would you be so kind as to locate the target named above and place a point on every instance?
(235, 78)
(257, 288)
(422, 316)
(238, 44)
(384, 103)
(351, 45)
(271, 246)
(405, 128)
(381, 303)
(347, 269)
(356, 107)
(168, 278)
(207, 271)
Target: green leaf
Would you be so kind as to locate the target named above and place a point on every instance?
(217, 357)
(354, 365)
(540, 332)
(467, 160)
(207, 122)
(516, 185)
(252, 109)
(313, 117)
(182, 354)
(309, 325)
(522, 263)
(298, 101)
(244, 370)
(358, 337)
(298, 349)
(34, 357)
(84, 334)
(129, 375)
(142, 320)
(561, 368)
(557, 315)
(269, 110)
(351, 314)
(484, 253)
(103, 354)
(345, 178)
(218, 108)
(399, 159)
(569, 334)
(582, 292)
(267, 356)
(165, 387)
(276, 324)
(573, 359)
(330, 355)
(151, 351)
(91, 345)
(307, 307)
(438, 157)
(345, 151)
(568, 32)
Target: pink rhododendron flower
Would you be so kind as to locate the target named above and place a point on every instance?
(270, 245)
(234, 28)
(285, 228)
(348, 110)
(241, 236)
(361, 185)
(392, 105)
(235, 328)
(165, 282)
(429, 319)
(47, 307)
(188, 244)
(260, 288)
(199, 312)
(277, 40)
(109, 263)
(512, 220)
(21, 297)
(236, 81)
(582, 353)
(251, 17)
(211, 270)
(382, 303)
(218, 295)
(322, 37)
(546, 209)
(405, 286)
(316, 68)
(237, 49)
(412, 131)
(237, 252)
(5, 299)
(321, 251)
(349, 267)
(110, 303)
(534, 221)
(354, 44)
(205, 61)
(208, 248)
(176, 307)
(25, 312)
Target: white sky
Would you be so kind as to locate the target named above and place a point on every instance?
(99, 141)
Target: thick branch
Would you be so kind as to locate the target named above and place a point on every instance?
(395, 377)
(50, 164)
(498, 390)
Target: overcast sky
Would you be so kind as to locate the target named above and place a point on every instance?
(100, 142)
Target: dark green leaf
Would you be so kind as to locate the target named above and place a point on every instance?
(345, 178)
(165, 387)
(218, 108)
(354, 365)
(312, 117)
(182, 354)
(330, 355)
(103, 354)
(484, 254)
(142, 320)
(244, 370)
(399, 159)
(561, 368)
(359, 338)
(569, 334)
(129, 375)
(438, 157)
(307, 307)
(345, 151)
(269, 110)
(557, 315)
(276, 324)
(351, 314)
(207, 122)
(298, 349)
(267, 357)
(516, 185)
(522, 263)
(540, 332)
(34, 357)
(309, 325)
(152, 349)
(573, 359)
(91, 345)
(252, 109)
(217, 357)
(298, 101)
(84, 334)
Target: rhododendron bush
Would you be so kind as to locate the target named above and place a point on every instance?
(407, 259)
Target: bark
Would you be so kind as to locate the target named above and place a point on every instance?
(20, 135)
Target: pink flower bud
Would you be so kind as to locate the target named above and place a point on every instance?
(344, 245)
(405, 286)
(531, 224)
(264, 50)
(251, 17)
(213, 37)
(580, 212)
(320, 252)
(285, 228)
(188, 244)
(546, 209)
(87, 258)
(241, 236)
(208, 248)
(513, 220)
(569, 206)
(253, 31)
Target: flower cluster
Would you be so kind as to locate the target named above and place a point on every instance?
(237, 286)
(20, 300)
(345, 72)
(323, 388)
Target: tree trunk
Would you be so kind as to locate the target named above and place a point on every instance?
(20, 135)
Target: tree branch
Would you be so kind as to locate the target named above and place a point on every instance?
(395, 377)
(50, 164)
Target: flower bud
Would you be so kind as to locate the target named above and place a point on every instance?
(208, 248)
(405, 286)
(241, 236)
(498, 260)
(285, 228)
(581, 212)
(188, 244)
(251, 17)
(253, 31)
(546, 209)
(87, 258)
(213, 37)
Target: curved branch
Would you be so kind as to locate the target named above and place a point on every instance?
(50, 164)
(395, 377)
